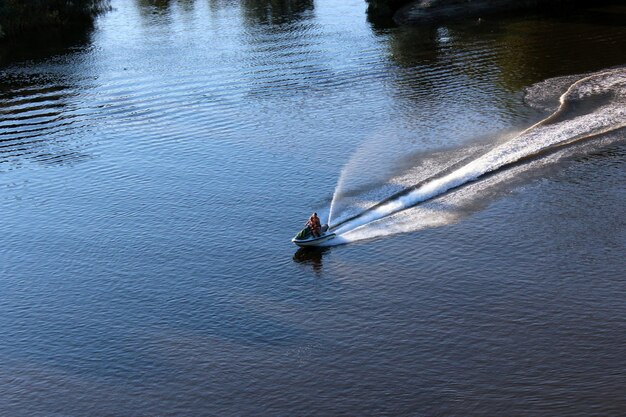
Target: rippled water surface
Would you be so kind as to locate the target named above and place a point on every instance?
(153, 172)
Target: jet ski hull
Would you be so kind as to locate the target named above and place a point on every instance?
(315, 241)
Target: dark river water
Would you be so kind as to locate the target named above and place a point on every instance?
(153, 172)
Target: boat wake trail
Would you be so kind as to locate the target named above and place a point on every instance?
(591, 106)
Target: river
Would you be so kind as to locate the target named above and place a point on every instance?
(154, 170)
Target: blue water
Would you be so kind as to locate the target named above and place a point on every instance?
(153, 174)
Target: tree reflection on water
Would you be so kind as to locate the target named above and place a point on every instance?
(516, 46)
(275, 11)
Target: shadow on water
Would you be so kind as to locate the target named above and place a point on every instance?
(311, 256)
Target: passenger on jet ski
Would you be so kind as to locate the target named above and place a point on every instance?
(314, 225)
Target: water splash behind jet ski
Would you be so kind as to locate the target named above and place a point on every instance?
(593, 105)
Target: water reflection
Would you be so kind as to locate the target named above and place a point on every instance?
(414, 46)
(417, 51)
(275, 12)
(163, 6)
(161, 11)
(55, 43)
(515, 47)
(310, 256)
(254, 12)
(283, 43)
(40, 117)
(39, 121)
(138, 246)
(575, 46)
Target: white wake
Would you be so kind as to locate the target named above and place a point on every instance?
(593, 105)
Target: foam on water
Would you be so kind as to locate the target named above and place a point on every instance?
(593, 105)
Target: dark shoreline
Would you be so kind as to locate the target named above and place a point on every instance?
(38, 20)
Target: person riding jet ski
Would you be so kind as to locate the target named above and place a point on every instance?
(314, 233)
(314, 225)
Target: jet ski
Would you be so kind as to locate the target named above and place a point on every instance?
(306, 238)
